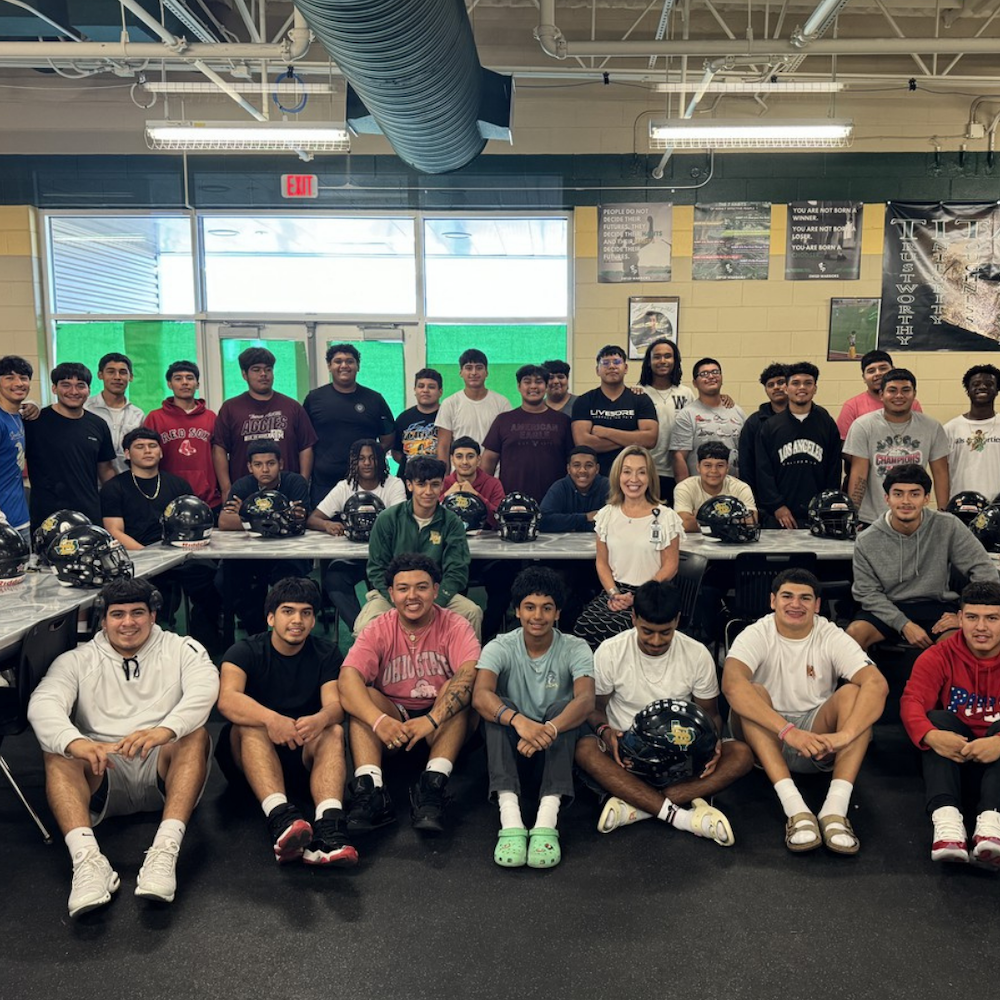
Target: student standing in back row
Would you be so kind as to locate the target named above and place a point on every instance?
(471, 412)
(115, 372)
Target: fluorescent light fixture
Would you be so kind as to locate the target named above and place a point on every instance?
(240, 86)
(248, 136)
(719, 133)
(743, 87)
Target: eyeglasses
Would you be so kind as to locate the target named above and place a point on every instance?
(709, 373)
(611, 362)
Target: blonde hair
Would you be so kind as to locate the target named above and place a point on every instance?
(615, 495)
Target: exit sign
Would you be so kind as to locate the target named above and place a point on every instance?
(299, 186)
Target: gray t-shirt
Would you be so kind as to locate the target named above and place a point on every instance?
(698, 423)
(918, 441)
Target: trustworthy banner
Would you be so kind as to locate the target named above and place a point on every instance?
(732, 240)
(634, 242)
(824, 240)
(941, 277)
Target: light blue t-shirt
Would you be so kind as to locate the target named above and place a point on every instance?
(535, 685)
(12, 499)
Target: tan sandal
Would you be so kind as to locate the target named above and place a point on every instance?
(802, 823)
(839, 826)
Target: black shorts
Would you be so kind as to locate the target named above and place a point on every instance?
(922, 613)
(292, 766)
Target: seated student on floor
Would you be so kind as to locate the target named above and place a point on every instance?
(367, 471)
(121, 722)
(407, 678)
(780, 679)
(949, 709)
(279, 693)
(650, 662)
(264, 472)
(903, 565)
(535, 689)
(638, 539)
(713, 480)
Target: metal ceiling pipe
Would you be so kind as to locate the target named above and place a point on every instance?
(819, 21)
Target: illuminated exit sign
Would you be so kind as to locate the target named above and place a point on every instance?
(299, 186)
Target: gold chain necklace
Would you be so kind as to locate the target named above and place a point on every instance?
(156, 493)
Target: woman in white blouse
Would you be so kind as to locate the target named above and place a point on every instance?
(638, 539)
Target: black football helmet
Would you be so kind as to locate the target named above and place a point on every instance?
(669, 741)
(833, 514)
(187, 523)
(360, 511)
(986, 527)
(270, 514)
(87, 556)
(52, 527)
(517, 517)
(729, 519)
(966, 505)
(469, 507)
(14, 554)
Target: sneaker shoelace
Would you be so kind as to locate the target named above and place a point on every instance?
(949, 831)
(91, 872)
(987, 826)
(161, 860)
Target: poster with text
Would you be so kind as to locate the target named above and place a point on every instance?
(650, 319)
(941, 277)
(634, 242)
(732, 241)
(824, 240)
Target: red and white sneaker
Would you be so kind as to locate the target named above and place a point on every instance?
(949, 836)
(290, 832)
(986, 840)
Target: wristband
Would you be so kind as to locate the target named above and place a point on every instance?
(601, 728)
(430, 719)
(784, 732)
(378, 722)
(613, 592)
(510, 721)
(499, 714)
(553, 725)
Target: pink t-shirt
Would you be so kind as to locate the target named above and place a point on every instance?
(858, 406)
(412, 674)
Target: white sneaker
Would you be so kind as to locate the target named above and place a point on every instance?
(709, 822)
(617, 812)
(949, 836)
(157, 877)
(94, 881)
(987, 840)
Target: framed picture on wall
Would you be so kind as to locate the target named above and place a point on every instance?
(853, 328)
(649, 318)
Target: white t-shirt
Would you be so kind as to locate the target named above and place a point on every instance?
(668, 403)
(697, 423)
(798, 674)
(974, 461)
(634, 679)
(690, 494)
(633, 552)
(391, 492)
(473, 418)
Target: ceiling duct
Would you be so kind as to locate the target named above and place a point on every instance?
(414, 75)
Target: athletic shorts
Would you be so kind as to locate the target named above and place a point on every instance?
(923, 613)
(793, 759)
(292, 766)
(411, 713)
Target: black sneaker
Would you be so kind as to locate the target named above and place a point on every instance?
(370, 808)
(290, 832)
(428, 801)
(329, 844)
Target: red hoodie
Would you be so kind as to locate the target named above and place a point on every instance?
(186, 440)
(948, 676)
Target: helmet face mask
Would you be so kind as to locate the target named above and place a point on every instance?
(52, 527)
(833, 514)
(87, 556)
(669, 741)
(517, 518)
(469, 507)
(187, 523)
(728, 519)
(14, 553)
(986, 527)
(967, 505)
(270, 514)
(360, 511)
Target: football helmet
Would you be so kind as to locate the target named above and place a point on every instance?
(986, 527)
(14, 554)
(669, 741)
(187, 523)
(966, 505)
(52, 527)
(270, 514)
(729, 519)
(833, 514)
(87, 556)
(469, 507)
(360, 511)
(517, 517)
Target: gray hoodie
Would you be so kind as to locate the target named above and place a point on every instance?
(890, 567)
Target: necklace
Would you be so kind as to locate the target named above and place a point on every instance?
(15, 421)
(156, 492)
(655, 683)
(413, 634)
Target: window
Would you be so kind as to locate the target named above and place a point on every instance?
(291, 366)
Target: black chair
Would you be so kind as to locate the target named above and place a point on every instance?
(43, 643)
(690, 573)
(753, 574)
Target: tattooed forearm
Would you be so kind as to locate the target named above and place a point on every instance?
(456, 696)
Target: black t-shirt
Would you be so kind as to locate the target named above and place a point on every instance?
(290, 484)
(141, 502)
(623, 414)
(289, 685)
(416, 434)
(62, 455)
(340, 419)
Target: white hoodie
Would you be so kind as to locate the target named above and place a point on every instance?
(170, 682)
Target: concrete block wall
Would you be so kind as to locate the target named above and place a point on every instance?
(21, 323)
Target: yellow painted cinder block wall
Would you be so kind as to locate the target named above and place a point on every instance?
(21, 324)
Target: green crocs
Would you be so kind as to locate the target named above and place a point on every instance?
(543, 848)
(512, 848)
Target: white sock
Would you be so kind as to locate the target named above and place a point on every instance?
(510, 811)
(441, 765)
(321, 807)
(548, 812)
(793, 803)
(675, 816)
(372, 770)
(169, 829)
(272, 801)
(838, 798)
(81, 839)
